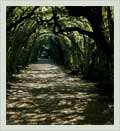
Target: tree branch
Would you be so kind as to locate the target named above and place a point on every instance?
(21, 19)
(81, 31)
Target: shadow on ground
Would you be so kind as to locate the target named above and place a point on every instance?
(44, 95)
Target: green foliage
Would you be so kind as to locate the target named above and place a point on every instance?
(81, 40)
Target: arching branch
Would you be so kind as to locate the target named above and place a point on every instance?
(81, 31)
(9, 27)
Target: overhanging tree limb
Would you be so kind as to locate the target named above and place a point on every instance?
(81, 31)
(9, 27)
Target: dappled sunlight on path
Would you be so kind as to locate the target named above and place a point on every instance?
(44, 94)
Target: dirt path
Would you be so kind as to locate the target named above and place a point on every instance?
(43, 94)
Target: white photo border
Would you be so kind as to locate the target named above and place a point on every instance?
(116, 4)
